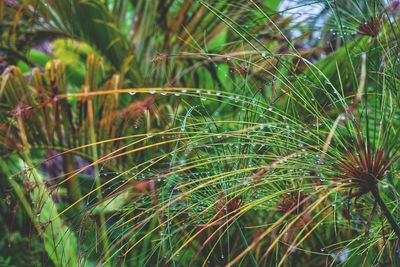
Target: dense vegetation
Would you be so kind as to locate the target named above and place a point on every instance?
(199, 133)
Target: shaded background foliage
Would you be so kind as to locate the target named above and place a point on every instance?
(199, 133)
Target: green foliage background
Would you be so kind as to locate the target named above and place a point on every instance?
(199, 133)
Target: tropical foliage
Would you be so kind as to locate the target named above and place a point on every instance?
(199, 133)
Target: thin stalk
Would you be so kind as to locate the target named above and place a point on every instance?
(92, 72)
(103, 226)
(386, 211)
(252, 258)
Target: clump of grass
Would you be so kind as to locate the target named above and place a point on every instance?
(234, 153)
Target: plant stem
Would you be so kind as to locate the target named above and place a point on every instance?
(99, 194)
(386, 211)
(252, 258)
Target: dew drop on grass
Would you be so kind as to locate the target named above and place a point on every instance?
(152, 92)
(132, 93)
(184, 91)
(164, 93)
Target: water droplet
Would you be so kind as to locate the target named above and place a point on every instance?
(132, 93)
(152, 92)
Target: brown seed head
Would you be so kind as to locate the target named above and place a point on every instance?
(364, 169)
(370, 28)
